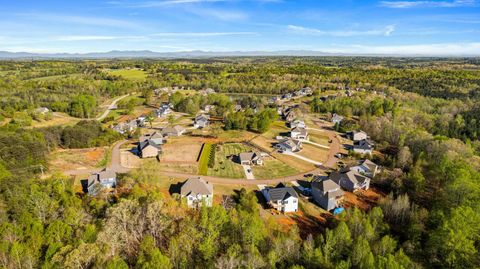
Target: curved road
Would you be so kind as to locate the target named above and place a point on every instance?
(110, 107)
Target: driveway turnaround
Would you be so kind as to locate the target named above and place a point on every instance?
(248, 171)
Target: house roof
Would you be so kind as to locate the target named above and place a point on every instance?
(292, 143)
(249, 156)
(281, 193)
(194, 186)
(363, 144)
(104, 174)
(369, 164)
(326, 185)
(300, 130)
(202, 117)
(175, 129)
(149, 142)
(351, 176)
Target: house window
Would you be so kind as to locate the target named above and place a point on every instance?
(294, 201)
(285, 202)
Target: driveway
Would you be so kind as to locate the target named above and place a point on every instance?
(248, 171)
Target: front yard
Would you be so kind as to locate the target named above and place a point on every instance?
(225, 166)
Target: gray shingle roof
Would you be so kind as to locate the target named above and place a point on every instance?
(325, 185)
(194, 186)
(281, 193)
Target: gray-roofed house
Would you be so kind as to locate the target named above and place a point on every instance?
(298, 124)
(283, 199)
(357, 135)
(105, 179)
(289, 145)
(176, 130)
(299, 133)
(201, 121)
(350, 180)
(326, 193)
(366, 167)
(364, 146)
(148, 149)
(336, 118)
(156, 137)
(42, 110)
(249, 158)
(198, 192)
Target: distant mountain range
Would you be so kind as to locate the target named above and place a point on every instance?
(129, 54)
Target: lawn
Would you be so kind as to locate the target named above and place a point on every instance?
(273, 168)
(276, 129)
(318, 137)
(225, 167)
(314, 153)
(204, 159)
(130, 74)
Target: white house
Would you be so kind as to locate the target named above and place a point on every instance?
(198, 192)
(289, 145)
(298, 124)
(249, 158)
(283, 199)
(105, 179)
(336, 118)
(363, 146)
(366, 167)
(299, 133)
(357, 136)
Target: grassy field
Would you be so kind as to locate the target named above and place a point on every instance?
(314, 153)
(318, 137)
(225, 167)
(130, 74)
(276, 129)
(273, 168)
(204, 159)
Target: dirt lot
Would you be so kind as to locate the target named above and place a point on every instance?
(362, 199)
(182, 149)
(68, 159)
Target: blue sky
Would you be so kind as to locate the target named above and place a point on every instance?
(447, 27)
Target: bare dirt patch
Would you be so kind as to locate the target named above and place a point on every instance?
(183, 149)
(69, 159)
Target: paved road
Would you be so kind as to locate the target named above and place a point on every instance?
(110, 107)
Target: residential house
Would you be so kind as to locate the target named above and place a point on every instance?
(350, 180)
(164, 110)
(237, 108)
(148, 149)
(198, 192)
(364, 146)
(283, 199)
(299, 133)
(126, 127)
(156, 137)
(326, 193)
(208, 108)
(298, 123)
(366, 167)
(201, 121)
(290, 115)
(176, 130)
(289, 145)
(105, 179)
(357, 135)
(42, 110)
(249, 158)
(336, 118)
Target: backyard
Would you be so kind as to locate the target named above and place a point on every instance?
(225, 166)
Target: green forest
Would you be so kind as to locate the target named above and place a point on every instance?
(423, 114)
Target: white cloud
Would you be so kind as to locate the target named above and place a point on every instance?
(201, 34)
(413, 4)
(440, 49)
(386, 31)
